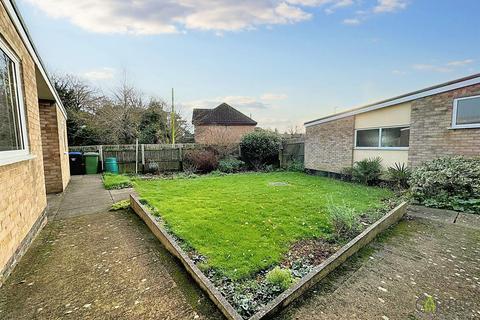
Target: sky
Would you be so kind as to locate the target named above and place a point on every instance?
(283, 62)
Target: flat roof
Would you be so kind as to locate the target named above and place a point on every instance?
(432, 90)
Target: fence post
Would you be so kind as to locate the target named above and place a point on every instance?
(100, 149)
(136, 156)
(143, 157)
(180, 156)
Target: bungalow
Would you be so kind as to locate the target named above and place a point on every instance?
(438, 121)
(33, 139)
(222, 125)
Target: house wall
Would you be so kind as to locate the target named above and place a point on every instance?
(397, 115)
(221, 135)
(54, 146)
(22, 196)
(430, 133)
(329, 146)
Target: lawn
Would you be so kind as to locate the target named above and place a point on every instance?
(244, 223)
(116, 181)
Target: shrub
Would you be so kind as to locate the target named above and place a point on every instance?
(260, 148)
(230, 165)
(296, 166)
(203, 161)
(399, 175)
(449, 183)
(345, 221)
(346, 173)
(367, 171)
(280, 277)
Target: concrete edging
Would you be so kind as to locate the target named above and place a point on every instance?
(288, 296)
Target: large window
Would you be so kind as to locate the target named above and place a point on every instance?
(13, 142)
(383, 138)
(466, 112)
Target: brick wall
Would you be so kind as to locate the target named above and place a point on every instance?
(430, 136)
(22, 196)
(329, 146)
(55, 161)
(221, 135)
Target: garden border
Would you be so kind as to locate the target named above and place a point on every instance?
(285, 298)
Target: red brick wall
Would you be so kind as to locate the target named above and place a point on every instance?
(430, 133)
(329, 146)
(221, 135)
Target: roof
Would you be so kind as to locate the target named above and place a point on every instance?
(224, 114)
(22, 30)
(436, 89)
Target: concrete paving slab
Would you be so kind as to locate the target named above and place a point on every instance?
(433, 214)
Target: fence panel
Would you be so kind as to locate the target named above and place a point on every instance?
(291, 152)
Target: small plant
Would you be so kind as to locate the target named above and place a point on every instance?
(345, 221)
(295, 166)
(230, 165)
(260, 148)
(120, 205)
(449, 183)
(399, 175)
(280, 277)
(367, 171)
(152, 167)
(203, 161)
(346, 173)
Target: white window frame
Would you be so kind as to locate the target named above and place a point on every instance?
(11, 156)
(454, 115)
(379, 147)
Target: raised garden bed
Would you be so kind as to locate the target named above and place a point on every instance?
(230, 232)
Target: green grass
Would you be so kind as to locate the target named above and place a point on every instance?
(242, 224)
(116, 181)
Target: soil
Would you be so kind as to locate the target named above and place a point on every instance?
(311, 251)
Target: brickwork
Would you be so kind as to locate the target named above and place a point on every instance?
(220, 135)
(55, 161)
(22, 196)
(430, 136)
(329, 146)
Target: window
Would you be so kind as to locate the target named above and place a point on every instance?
(13, 135)
(383, 138)
(466, 112)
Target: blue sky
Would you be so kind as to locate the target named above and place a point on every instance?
(284, 62)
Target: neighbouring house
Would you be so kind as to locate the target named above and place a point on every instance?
(222, 125)
(33, 139)
(441, 120)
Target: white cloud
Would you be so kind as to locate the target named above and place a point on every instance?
(352, 21)
(273, 96)
(166, 16)
(399, 72)
(100, 74)
(443, 68)
(460, 63)
(389, 6)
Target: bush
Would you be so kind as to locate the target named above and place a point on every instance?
(280, 277)
(449, 183)
(367, 171)
(260, 148)
(399, 175)
(203, 161)
(230, 165)
(345, 221)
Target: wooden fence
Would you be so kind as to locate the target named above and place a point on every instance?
(291, 151)
(132, 159)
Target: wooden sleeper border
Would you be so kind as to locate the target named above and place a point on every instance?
(289, 295)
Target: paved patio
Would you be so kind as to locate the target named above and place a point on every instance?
(431, 253)
(89, 263)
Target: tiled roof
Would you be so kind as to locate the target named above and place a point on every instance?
(224, 114)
